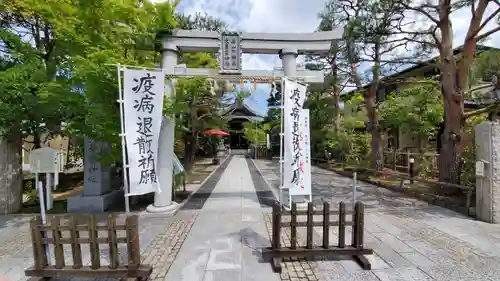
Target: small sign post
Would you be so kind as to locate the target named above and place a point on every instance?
(46, 160)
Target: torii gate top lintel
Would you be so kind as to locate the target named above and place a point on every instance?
(231, 45)
(314, 43)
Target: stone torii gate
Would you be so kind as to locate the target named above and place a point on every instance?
(230, 47)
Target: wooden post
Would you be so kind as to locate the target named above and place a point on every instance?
(468, 202)
(76, 249)
(394, 160)
(310, 219)
(342, 225)
(134, 254)
(95, 255)
(276, 225)
(357, 228)
(113, 243)
(38, 247)
(360, 210)
(293, 226)
(326, 225)
(411, 169)
(58, 246)
(407, 161)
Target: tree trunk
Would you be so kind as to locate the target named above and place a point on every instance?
(191, 139)
(191, 144)
(336, 88)
(377, 155)
(336, 96)
(37, 140)
(377, 162)
(11, 175)
(451, 139)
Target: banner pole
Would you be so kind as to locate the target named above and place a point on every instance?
(124, 148)
(282, 101)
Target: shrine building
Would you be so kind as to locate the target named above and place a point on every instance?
(239, 114)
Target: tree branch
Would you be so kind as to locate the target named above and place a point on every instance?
(435, 37)
(421, 9)
(488, 33)
(486, 21)
(481, 110)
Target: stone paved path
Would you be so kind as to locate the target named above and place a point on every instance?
(224, 242)
(219, 233)
(412, 241)
(334, 188)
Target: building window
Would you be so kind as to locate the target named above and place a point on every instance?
(381, 94)
(390, 89)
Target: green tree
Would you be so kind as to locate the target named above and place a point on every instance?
(416, 111)
(199, 102)
(367, 39)
(54, 61)
(351, 143)
(439, 35)
(200, 21)
(321, 115)
(256, 132)
(273, 116)
(486, 67)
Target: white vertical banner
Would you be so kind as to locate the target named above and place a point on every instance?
(306, 154)
(143, 112)
(294, 161)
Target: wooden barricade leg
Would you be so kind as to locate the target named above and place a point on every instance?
(309, 231)
(276, 239)
(76, 249)
(326, 225)
(342, 225)
(39, 253)
(113, 243)
(95, 255)
(58, 246)
(293, 227)
(133, 249)
(358, 235)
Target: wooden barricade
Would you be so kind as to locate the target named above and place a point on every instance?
(78, 234)
(277, 251)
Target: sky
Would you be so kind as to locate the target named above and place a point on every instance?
(288, 16)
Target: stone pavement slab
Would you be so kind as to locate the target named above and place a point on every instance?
(225, 241)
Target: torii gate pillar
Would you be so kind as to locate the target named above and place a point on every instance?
(163, 200)
(288, 58)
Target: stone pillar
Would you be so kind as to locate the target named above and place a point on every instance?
(487, 139)
(99, 192)
(163, 199)
(288, 58)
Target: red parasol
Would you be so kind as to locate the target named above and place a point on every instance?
(216, 132)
